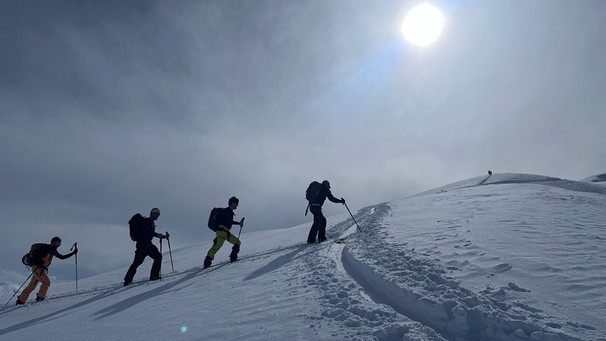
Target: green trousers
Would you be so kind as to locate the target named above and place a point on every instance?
(222, 236)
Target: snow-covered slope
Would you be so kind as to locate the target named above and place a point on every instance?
(506, 257)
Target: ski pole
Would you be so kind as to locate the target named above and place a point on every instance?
(160, 250)
(240, 229)
(76, 247)
(10, 299)
(170, 251)
(352, 217)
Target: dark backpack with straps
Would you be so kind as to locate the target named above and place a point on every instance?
(135, 227)
(213, 224)
(35, 255)
(312, 194)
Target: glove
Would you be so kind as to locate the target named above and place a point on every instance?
(342, 201)
(75, 252)
(166, 235)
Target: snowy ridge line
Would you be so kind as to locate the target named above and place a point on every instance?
(560, 183)
(571, 185)
(512, 179)
(115, 287)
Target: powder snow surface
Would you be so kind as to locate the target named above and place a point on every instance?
(505, 257)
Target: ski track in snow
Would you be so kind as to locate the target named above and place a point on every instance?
(347, 301)
(192, 272)
(422, 291)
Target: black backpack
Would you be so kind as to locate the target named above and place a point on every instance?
(135, 227)
(35, 255)
(212, 219)
(312, 194)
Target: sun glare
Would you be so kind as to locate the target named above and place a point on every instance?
(423, 25)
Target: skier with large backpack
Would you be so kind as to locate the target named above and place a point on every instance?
(221, 221)
(143, 230)
(39, 259)
(316, 194)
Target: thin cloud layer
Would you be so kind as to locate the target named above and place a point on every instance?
(110, 108)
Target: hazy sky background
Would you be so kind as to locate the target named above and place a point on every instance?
(109, 108)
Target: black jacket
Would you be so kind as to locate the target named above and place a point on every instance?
(149, 231)
(225, 217)
(45, 255)
(325, 193)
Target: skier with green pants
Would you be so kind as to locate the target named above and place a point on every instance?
(224, 222)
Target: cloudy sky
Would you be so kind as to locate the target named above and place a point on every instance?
(113, 107)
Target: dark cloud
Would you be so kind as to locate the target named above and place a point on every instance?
(111, 108)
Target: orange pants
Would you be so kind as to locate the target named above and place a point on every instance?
(39, 276)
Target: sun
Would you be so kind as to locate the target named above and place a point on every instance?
(423, 24)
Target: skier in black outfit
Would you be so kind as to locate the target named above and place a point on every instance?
(145, 248)
(315, 207)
